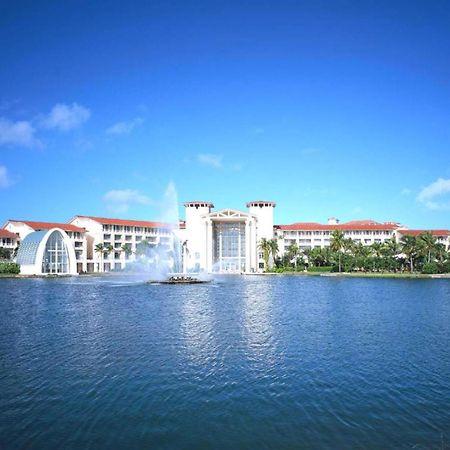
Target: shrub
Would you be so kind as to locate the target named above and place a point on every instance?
(430, 268)
(5, 253)
(10, 268)
(445, 267)
(320, 269)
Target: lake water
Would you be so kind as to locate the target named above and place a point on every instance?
(244, 362)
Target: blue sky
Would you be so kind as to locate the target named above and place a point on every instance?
(337, 108)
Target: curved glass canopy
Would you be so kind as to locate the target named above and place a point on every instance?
(56, 258)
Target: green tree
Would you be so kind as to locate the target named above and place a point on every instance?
(100, 249)
(126, 248)
(265, 247)
(292, 252)
(441, 254)
(337, 244)
(391, 247)
(5, 253)
(408, 245)
(427, 243)
(142, 247)
(361, 250)
(377, 251)
(273, 243)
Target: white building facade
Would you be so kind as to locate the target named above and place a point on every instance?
(308, 235)
(9, 240)
(76, 235)
(47, 252)
(225, 241)
(120, 239)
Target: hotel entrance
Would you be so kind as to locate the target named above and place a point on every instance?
(229, 254)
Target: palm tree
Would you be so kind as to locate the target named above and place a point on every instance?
(142, 247)
(16, 250)
(391, 247)
(441, 253)
(427, 242)
(292, 252)
(126, 248)
(100, 249)
(361, 250)
(377, 250)
(273, 243)
(349, 246)
(409, 248)
(337, 244)
(265, 247)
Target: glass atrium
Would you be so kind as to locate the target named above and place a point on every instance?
(229, 246)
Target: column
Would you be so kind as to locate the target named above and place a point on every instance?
(247, 246)
(209, 245)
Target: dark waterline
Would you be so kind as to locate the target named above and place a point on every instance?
(244, 362)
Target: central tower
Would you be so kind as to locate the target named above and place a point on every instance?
(263, 211)
(196, 234)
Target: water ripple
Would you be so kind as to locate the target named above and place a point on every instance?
(243, 362)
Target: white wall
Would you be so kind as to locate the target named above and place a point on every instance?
(196, 235)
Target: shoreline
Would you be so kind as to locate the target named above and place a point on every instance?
(301, 274)
(359, 275)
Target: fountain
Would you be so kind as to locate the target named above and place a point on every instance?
(171, 267)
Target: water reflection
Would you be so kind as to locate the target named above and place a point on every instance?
(198, 327)
(253, 362)
(258, 318)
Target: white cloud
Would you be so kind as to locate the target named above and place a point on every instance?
(20, 133)
(5, 179)
(119, 201)
(210, 159)
(124, 127)
(434, 196)
(66, 117)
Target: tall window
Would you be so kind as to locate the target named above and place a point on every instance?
(56, 259)
(229, 246)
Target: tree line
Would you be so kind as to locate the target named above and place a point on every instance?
(422, 253)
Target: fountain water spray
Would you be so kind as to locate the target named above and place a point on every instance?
(165, 261)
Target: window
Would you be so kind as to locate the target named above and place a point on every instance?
(229, 246)
(55, 259)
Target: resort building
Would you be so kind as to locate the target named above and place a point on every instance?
(225, 241)
(441, 236)
(9, 240)
(76, 235)
(47, 252)
(308, 235)
(120, 240)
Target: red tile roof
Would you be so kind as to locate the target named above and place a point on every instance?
(7, 234)
(349, 226)
(49, 225)
(126, 222)
(433, 232)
